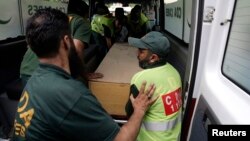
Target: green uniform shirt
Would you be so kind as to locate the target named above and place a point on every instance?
(80, 29)
(56, 107)
(29, 63)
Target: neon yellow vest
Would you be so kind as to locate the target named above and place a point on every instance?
(162, 122)
(142, 21)
(99, 20)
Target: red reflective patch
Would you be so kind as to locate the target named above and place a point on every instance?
(172, 101)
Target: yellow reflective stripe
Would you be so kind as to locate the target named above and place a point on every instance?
(161, 126)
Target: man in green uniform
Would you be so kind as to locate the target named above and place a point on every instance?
(56, 107)
(81, 32)
(28, 65)
(162, 122)
(78, 12)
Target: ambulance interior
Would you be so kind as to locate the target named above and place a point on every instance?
(13, 49)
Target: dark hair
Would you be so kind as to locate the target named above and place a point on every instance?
(137, 8)
(44, 31)
(135, 13)
(102, 9)
(78, 7)
(119, 12)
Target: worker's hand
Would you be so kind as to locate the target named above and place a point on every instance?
(94, 75)
(144, 98)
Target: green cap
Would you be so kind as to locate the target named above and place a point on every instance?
(154, 41)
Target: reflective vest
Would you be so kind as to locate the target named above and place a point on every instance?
(137, 27)
(99, 20)
(162, 122)
(143, 19)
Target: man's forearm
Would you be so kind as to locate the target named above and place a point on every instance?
(129, 131)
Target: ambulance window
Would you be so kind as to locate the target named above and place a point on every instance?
(236, 65)
(177, 18)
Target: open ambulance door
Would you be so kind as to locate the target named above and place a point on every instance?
(217, 77)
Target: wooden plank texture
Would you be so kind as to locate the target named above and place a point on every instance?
(120, 64)
(118, 67)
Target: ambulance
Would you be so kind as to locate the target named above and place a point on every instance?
(209, 47)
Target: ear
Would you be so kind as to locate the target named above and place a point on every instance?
(153, 58)
(66, 41)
